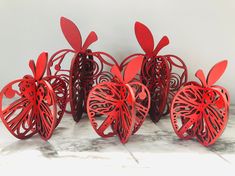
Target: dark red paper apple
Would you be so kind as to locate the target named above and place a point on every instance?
(123, 103)
(87, 68)
(163, 75)
(201, 110)
(35, 104)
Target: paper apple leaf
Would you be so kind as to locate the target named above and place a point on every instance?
(41, 65)
(116, 72)
(144, 37)
(132, 68)
(32, 67)
(201, 76)
(163, 42)
(92, 37)
(216, 72)
(71, 33)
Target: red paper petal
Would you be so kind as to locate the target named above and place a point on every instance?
(75, 88)
(82, 71)
(184, 112)
(142, 104)
(155, 74)
(224, 92)
(46, 115)
(125, 121)
(104, 100)
(57, 67)
(178, 77)
(19, 117)
(60, 91)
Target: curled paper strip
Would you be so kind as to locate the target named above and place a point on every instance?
(201, 110)
(163, 75)
(36, 104)
(120, 106)
(87, 68)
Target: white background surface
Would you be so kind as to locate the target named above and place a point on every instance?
(201, 32)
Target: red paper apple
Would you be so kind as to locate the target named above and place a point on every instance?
(87, 68)
(201, 110)
(123, 103)
(163, 75)
(36, 104)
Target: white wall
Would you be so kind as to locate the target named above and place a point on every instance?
(202, 32)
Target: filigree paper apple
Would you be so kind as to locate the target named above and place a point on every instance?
(87, 68)
(35, 104)
(201, 110)
(162, 74)
(123, 103)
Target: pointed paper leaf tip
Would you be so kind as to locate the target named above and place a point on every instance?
(201, 76)
(32, 67)
(216, 72)
(71, 33)
(132, 68)
(41, 65)
(162, 43)
(144, 37)
(92, 37)
(116, 72)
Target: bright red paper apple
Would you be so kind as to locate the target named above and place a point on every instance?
(35, 104)
(123, 103)
(87, 68)
(163, 75)
(201, 110)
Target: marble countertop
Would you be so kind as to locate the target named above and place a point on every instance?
(76, 149)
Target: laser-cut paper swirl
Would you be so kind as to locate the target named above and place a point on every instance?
(163, 75)
(87, 68)
(32, 102)
(201, 110)
(123, 103)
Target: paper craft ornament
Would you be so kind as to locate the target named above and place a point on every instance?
(36, 104)
(87, 68)
(201, 110)
(163, 75)
(120, 106)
